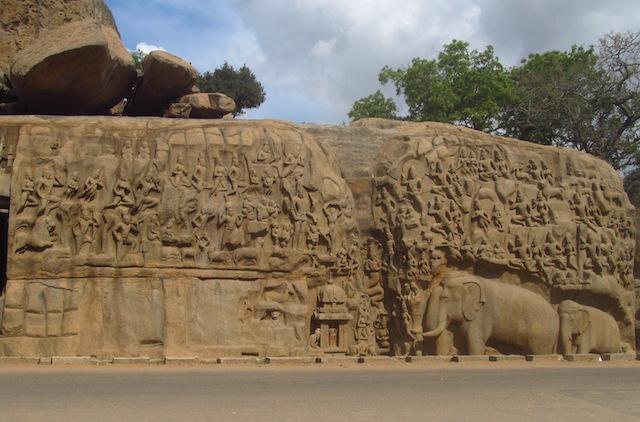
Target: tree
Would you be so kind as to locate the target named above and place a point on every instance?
(241, 85)
(374, 105)
(138, 56)
(582, 98)
(460, 86)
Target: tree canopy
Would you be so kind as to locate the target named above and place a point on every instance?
(374, 105)
(240, 84)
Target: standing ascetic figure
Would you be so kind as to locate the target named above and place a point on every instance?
(518, 215)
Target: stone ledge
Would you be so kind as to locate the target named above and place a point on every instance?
(506, 358)
(240, 360)
(470, 358)
(70, 360)
(131, 360)
(180, 360)
(539, 358)
(582, 357)
(18, 360)
(292, 360)
(426, 358)
(617, 356)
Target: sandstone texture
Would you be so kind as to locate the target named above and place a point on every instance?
(165, 78)
(80, 67)
(162, 237)
(209, 105)
(22, 21)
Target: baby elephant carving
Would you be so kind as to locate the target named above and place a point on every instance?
(585, 329)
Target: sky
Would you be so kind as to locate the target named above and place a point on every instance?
(316, 57)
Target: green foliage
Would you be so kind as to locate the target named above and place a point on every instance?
(241, 85)
(138, 56)
(460, 86)
(584, 98)
(374, 105)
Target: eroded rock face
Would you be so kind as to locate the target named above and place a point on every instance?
(22, 21)
(154, 237)
(166, 78)
(205, 105)
(80, 67)
(146, 237)
(460, 215)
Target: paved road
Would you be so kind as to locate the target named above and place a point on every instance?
(597, 393)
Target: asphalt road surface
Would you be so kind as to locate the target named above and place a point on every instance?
(600, 392)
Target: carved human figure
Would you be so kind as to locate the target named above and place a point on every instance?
(72, 185)
(92, 185)
(198, 178)
(84, 229)
(179, 176)
(497, 218)
(27, 197)
(521, 210)
(125, 233)
(314, 339)
(149, 185)
(44, 190)
(479, 216)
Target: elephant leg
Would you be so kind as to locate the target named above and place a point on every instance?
(475, 343)
(444, 343)
(584, 345)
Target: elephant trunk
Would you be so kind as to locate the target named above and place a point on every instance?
(442, 323)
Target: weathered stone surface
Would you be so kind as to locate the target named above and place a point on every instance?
(178, 111)
(165, 78)
(180, 238)
(22, 21)
(159, 237)
(209, 105)
(81, 67)
(516, 226)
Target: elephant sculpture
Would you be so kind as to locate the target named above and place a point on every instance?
(487, 310)
(585, 329)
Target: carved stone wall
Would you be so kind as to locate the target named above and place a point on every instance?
(156, 237)
(551, 221)
(152, 237)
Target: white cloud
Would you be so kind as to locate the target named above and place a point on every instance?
(329, 52)
(147, 48)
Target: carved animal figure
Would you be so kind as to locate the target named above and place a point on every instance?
(487, 310)
(585, 329)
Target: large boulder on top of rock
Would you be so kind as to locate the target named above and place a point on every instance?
(22, 21)
(78, 68)
(207, 105)
(165, 78)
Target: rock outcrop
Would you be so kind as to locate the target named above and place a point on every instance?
(209, 105)
(152, 237)
(77, 68)
(165, 78)
(22, 21)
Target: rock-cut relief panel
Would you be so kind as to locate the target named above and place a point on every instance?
(252, 202)
(552, 221)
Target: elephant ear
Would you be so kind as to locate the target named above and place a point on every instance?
(581, 321)
(473, 299)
